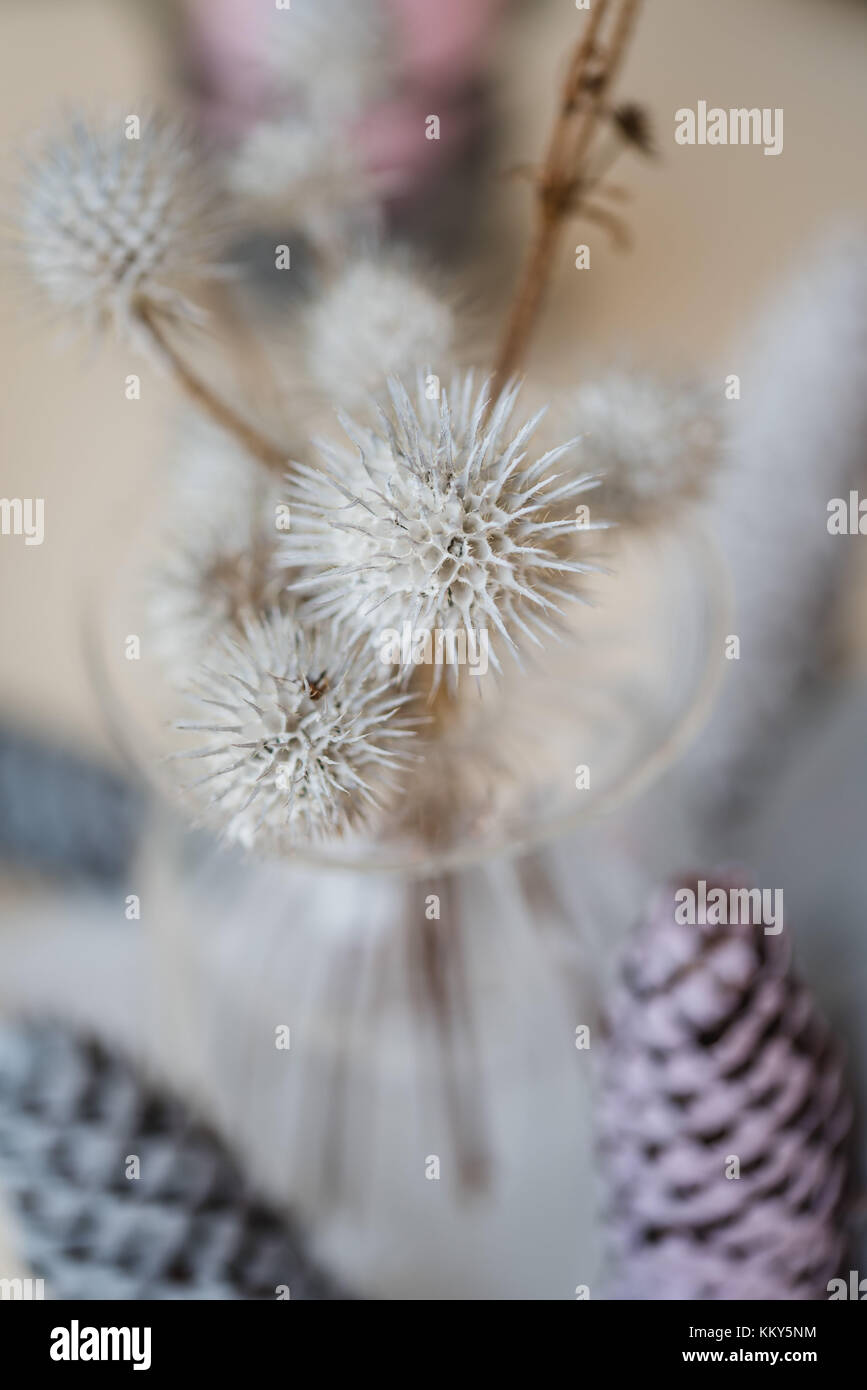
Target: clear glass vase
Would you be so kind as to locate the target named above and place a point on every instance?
(431, 1114)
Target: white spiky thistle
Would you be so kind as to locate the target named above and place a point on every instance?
(217, 556)
(439, 521)
(304, 733)
(378, 319)
(322, 64)
(110, 222)
(311, 170)
(655, 443)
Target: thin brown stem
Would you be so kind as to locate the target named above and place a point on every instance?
(559, 187)
(253, 365)
(439, 973)
(203, 396)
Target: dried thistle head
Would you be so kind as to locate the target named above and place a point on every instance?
(303, 167)
(218, 551)
(331, 57)
(438, 520)
(118, 216)
(321, 65)
(303, 733)
(655, 443)
(378, 319)
(204, 588)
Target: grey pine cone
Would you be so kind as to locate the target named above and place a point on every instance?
(717, 1061)
(187, 1228)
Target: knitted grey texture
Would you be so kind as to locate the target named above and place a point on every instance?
(64, 814)
(71, 1116)
(716, 1053)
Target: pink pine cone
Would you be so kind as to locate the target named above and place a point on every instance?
(715, 1051)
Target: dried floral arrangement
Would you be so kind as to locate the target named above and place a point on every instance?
(317, 611)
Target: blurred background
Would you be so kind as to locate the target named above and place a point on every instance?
(711, 236)
(716, 234)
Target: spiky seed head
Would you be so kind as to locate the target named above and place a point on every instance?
(108, 221)
(291, 163)
(439, 520)
(379, 319)
(331, 57)
(218, 550)
(655, 443)
(201, 591)
(302, 733)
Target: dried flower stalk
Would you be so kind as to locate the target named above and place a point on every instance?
(272, 455)
(563, 183)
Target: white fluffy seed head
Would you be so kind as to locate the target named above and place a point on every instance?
(302, 734)
(439, 520)
(377, 320)
(202, 590)
(333, 57)
(321, 65)
(107, 221)
(655, 443)
(218, 553)
(291, 162)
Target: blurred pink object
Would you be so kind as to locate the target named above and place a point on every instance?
(442, 50)
(444, 44)
(226, 48)
(716, 1056)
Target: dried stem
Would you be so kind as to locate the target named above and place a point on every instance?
(561, 183)
(202, 395)
(438, 969)
(253, 365)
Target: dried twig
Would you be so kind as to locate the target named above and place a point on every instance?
(439, 974)
(562, 180)
(202, 395)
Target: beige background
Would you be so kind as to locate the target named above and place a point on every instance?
(713, 227)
